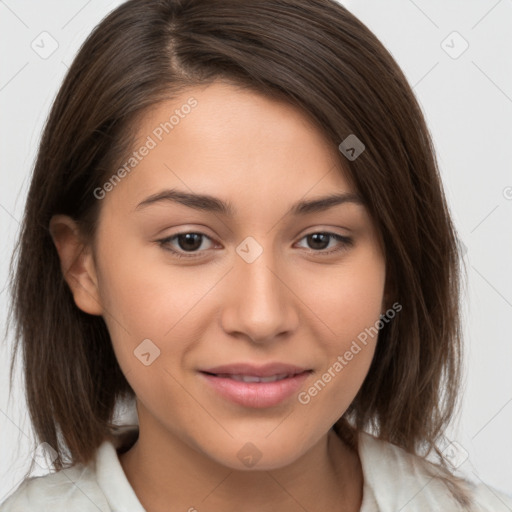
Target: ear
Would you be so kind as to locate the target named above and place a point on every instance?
(77, 263)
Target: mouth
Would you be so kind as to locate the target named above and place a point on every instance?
(256, 387)
(253, 378)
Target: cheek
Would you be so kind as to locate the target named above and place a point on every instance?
(349, 303)
(137, 286)
(347, 355)
(147, 297)
(348, 298)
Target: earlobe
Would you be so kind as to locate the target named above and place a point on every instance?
(77, 263)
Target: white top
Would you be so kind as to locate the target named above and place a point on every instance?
(393, 480)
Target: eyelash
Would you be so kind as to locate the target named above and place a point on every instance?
(346, 242)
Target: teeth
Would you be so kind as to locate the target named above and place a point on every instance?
(252, 378)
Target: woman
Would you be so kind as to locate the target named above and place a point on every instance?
(304, 351)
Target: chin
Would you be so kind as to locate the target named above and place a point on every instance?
(259, 454)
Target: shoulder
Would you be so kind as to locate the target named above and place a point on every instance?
(100, 486)
(69, 489)
(399, 480)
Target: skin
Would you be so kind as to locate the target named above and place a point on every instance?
(293, 304)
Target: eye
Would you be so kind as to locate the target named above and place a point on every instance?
(319, 241)
(188, 242)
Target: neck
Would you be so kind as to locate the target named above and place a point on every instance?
(164, 471)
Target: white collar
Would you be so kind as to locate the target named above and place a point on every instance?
(113, 480)
(397, 480)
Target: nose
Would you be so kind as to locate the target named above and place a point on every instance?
(260, 303)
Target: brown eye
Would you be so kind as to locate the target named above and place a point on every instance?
(319, 241)
(182, 243)
(189, 241)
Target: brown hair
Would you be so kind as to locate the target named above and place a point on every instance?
(315, 55)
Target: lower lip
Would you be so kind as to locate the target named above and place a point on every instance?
(256, 394)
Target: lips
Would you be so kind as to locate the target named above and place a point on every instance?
(253, 378)
(255, 386)
(267, 370)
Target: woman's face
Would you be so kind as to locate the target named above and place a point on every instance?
(259, 288)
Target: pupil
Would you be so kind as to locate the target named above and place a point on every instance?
(189, 239)
(316, 238)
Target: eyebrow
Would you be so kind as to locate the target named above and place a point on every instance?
(205, 202)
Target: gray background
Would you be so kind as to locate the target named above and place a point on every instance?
(467, 100)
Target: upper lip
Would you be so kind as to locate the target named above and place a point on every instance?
(266, 370)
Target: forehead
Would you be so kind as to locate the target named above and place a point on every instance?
(224, 140)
